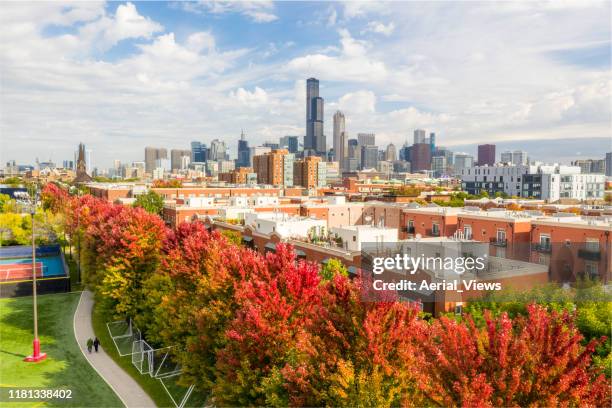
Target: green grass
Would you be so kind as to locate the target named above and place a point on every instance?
(65, 366)
(150, 385)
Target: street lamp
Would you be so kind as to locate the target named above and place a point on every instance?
(29, 202)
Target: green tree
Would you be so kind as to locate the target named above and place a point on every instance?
(332, 268)
(151, 202)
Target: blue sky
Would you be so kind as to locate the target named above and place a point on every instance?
(122, 75)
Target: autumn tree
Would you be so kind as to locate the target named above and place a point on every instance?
(150, 202)
(536, 359)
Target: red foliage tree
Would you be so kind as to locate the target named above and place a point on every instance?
(533, 360)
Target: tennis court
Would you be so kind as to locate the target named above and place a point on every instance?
(19, 271)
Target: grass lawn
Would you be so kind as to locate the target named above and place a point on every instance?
(65, 366)
(152, 386)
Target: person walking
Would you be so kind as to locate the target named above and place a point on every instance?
(90, 343)
(96, 344)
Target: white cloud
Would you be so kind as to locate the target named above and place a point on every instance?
(256, 98)
(352, 63)
(379, 28)
(257, 11)
(358, 102)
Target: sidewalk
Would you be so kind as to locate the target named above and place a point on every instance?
(125, 387)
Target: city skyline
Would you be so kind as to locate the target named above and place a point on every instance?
(122, 76)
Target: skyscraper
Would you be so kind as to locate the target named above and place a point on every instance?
(340, 139)
(369, 157)
(152, 156)
(177, 161)
(199, 152)
(391, 153)
(218, 150)
(420, 157)
(609, 164)
(314, 141)
(243, 158)
(419, 136)
(366, 139)
(486, 154)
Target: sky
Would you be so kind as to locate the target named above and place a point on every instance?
(120, 76)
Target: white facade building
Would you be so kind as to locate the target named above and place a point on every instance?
(354, 236)
(285, 225)
(549, 182)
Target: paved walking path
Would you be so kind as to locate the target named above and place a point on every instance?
(128, 390)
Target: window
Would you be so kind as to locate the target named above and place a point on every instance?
(591, 269)
(458, 309)
(354, 238)
(435, 229)
(501, 235)
(592, 245)
(467, 231)
(545, 241)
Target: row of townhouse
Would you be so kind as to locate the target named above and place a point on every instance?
(572, 246)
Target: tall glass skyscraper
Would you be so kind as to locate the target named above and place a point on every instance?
(314, 141)
(244, 158)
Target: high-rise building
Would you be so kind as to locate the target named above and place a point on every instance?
(314, 141)
(438, 166)
(432, 142)
(152, 156)
(391, 153)
(366, 139)
(218, 151)
(369, 157)
(270, 167)
(420, 157)
(257, 151)
(177, 161)
(588, 166)
(515, 157)
(340, 139)
(419, 136)
(486, 154)
(404, 154)
(609, 164)
(243, 158)
(306, 172)
(463, 161)
(293, 144)
(199, 152)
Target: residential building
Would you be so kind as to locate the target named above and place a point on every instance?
(515, 157)
(591, 165)
(540, 181)
(152, 156)
(486, 154)
(177, 159)
(257, 151)
(270, 167)
(355, 236)
(240, 175)
(306, 172)
(420, 156)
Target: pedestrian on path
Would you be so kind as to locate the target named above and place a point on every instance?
(90, 343)
(96, 344)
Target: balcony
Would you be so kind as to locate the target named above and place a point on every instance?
(589, 254)
(498, 242)
(432, 233)
(409, 230)
(543, 248)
